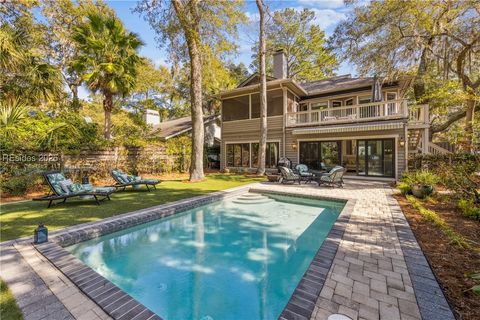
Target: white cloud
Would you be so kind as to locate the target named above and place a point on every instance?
(322, 4)
(327, 17)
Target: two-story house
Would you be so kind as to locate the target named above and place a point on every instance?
(363, 124)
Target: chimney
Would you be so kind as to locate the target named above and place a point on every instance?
(151, 117)
(279, 64)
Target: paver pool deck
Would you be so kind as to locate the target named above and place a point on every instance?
(378, 270)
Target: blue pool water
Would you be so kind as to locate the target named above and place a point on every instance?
(225, 260)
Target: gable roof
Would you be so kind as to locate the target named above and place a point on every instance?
(254, 78)
(172, 128)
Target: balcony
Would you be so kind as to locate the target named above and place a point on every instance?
(383, 110)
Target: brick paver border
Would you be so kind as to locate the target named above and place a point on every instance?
(119, 305)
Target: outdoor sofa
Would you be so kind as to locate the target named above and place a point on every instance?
(62, 188)
(123, 180)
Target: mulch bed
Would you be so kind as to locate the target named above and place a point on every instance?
(450, 263)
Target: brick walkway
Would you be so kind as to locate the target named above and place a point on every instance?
(369, 277)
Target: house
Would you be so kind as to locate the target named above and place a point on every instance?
(173, 128)
(364, 124)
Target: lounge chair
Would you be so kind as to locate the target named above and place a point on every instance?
(63, 188)
(304, 173)
(332, 178)
(123, 180)
(288, 175)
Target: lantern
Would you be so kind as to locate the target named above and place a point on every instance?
(41, 234)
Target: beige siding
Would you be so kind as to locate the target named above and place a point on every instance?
(249, 131)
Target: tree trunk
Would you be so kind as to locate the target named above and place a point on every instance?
(107, 108)
(469, 118)
(189, 20)
(75, 101)
(262, 146)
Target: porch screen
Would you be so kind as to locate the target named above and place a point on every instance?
(274, 104)
(235, 108)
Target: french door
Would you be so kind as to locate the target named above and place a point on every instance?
(376, 157)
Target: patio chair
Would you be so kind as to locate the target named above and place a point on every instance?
(304, 173)
(332, 178)
(62, 188)
(123, 180)
(288, 175)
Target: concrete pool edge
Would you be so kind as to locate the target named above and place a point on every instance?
(119, 305)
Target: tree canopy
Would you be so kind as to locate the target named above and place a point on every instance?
(304, 44)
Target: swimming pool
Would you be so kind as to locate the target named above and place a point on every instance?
(239, 258)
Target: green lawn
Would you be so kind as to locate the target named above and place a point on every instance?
(8, 307)
(20, 219)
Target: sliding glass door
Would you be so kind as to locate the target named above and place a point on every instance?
(320, 155)
(376, 157)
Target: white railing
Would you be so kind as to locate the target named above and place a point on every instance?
(361, 112)
(436, 149)
(419, 114)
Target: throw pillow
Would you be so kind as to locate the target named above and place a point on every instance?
(76, 187)
(65, 185)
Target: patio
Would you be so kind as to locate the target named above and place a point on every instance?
(378, 271)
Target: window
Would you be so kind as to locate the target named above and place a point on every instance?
(303, 107)
(238, 155)
(235, 108)
(319, 105)
(271, 155)
(336, 104)
(320, 155)
(364, 99)
(349, 102)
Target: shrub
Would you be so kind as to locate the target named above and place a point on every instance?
(420, 178)
(405, 188)
(18, 185)
(469, 208)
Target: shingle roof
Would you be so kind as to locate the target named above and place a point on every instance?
(338, 83)
(171, 128)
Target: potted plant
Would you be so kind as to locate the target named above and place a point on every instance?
(421, 183)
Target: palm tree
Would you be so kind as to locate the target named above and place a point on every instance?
(107, 59)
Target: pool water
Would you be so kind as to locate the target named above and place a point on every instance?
(238, 258)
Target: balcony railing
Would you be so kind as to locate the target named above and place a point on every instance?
(418, 115)
(392, 109)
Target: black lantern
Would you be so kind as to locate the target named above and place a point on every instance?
(41, 234)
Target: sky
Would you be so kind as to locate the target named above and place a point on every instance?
(328, 14)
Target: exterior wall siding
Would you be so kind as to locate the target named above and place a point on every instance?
(249, 131)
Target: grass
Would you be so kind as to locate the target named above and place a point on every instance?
(433, 217)
(8, 307)
(20, 219)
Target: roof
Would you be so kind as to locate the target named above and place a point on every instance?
(254, 78)
(172, 128)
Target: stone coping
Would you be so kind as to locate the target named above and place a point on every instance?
(120, 305)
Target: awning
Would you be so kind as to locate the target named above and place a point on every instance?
(350, 128)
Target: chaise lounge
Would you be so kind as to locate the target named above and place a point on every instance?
(123, 180)
(62, 188)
